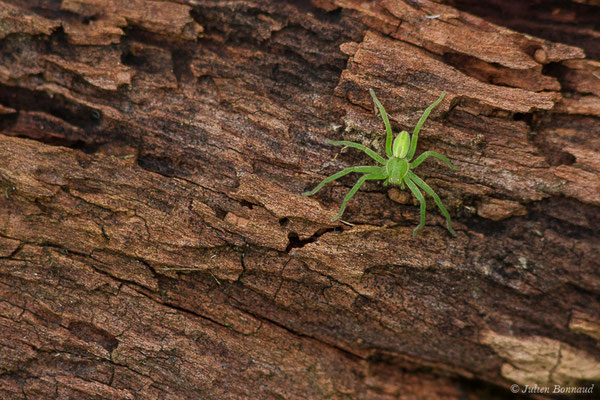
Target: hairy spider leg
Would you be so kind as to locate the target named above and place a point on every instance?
(386, 122)
(359, 146)
(361, 169)
(417, 193)
(355, 188)
(415, 135)
(426, 154)
(421, 183)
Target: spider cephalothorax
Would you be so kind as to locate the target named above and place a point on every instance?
(397, 169)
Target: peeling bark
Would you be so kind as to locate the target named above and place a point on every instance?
(154, 242)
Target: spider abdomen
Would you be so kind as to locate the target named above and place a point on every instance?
(396, 168)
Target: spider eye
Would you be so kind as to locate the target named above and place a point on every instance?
(401, 145)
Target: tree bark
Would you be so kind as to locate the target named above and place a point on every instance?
(155, 243)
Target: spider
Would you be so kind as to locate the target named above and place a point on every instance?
(397, 169)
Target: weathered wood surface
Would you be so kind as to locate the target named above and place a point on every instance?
(154, 242)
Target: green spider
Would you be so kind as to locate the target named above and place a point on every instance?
(397, 169)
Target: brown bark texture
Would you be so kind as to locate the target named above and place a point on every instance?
(155, 243)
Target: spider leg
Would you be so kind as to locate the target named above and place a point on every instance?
(421, 183)
(386, 122)
(417, 193)
(415, 135)
(426, 154)
(367, 150)
(355, 188)
(362, 169)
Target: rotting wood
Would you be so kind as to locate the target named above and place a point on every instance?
(154, 242)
